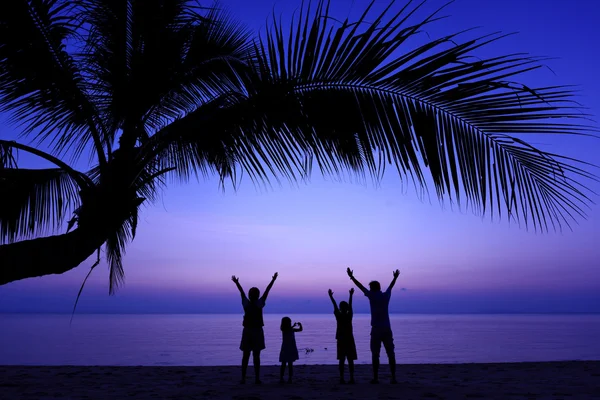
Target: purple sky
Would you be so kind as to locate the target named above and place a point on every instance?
(190, 244)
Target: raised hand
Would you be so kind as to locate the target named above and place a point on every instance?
(396, 274)
(275, 275)
(351, 291)
(235, 279)
(350, 272)
(330, 293)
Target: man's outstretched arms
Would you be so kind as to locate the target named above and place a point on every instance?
(236, 280)
(357, 283)
(268, 289)
(396, 275)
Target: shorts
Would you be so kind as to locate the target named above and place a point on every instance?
(346, 348)
(253, 339)
(385, 336)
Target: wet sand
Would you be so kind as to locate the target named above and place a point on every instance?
(551, 380)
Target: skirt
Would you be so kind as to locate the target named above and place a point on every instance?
(253, 339)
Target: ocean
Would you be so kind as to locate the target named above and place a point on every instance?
(208, 339)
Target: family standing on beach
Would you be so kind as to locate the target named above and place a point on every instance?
(253, 338)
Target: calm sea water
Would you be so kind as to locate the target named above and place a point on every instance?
(214, 339)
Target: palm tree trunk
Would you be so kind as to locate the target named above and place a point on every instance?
(47, 255)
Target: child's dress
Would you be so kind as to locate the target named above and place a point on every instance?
(289, 350)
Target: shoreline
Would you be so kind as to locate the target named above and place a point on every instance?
(522, 380)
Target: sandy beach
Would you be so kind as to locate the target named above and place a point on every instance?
(553, 380)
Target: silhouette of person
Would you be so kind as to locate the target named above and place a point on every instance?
(289, 350)
(381, 330)
(253, 337)
(346, 348)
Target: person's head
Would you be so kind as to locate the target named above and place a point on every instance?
(253, 294)
(286, 324)
(375, 286)
(344, 307)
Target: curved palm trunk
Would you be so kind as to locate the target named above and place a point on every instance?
(47, 255)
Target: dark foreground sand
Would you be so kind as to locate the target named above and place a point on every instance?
(556, 380)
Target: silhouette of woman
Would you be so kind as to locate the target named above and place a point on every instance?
(253, 337)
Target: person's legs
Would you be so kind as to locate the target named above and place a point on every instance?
(375, 350)
(256, 359)
(341, 367)
(290, 372)
(351, 368)
(245, 359)
(281, 372)
(388, 343)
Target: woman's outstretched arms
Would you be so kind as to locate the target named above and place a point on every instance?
(335, 307)
(396, 275)
(236, 280)
(268, 289)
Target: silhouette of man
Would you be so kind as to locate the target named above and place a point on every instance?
(381, 330)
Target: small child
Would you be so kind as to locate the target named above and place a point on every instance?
(289, 350)
(346, 347)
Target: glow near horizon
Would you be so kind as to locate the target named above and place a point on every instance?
(311, 233)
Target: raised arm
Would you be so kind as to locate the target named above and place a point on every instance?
(357, 283)
(268, 289)
(236, 280)
(350, 299)
(335, 306)
(396, 275)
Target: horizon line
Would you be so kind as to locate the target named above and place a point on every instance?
(301, 313)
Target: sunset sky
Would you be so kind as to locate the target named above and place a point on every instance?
(190, 243)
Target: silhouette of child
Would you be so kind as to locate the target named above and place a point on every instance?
(346, 347)
(289, 350)
(253, 337)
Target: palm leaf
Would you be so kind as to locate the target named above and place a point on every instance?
(346, 97)
(116, 243)
(34, 202)
(151, 61)
(40, 84)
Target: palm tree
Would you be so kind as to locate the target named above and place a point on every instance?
(156, 88)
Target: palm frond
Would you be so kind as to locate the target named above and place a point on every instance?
(180, 146)
(40, 84)
(34, 202)
(7, 156)
(116, 243)
(346, 97)
(151, 61)
(431, 105)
